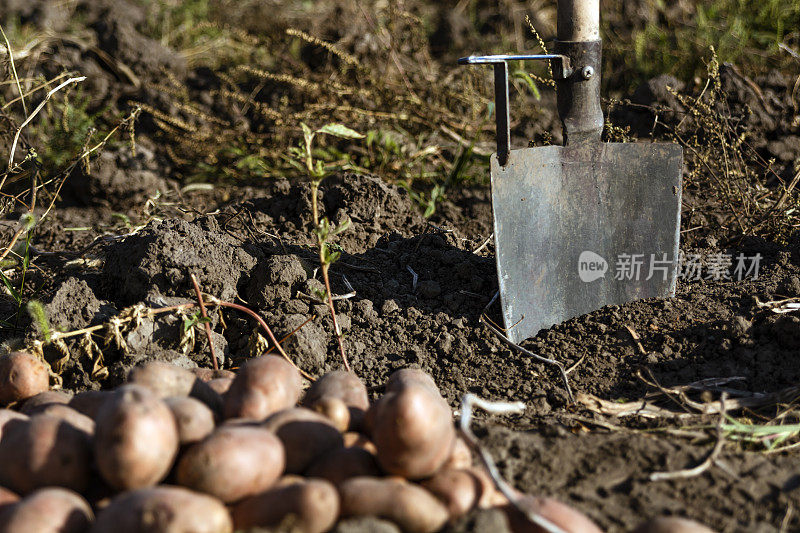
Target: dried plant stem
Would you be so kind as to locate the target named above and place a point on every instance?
(206, 322)
(520, 349)
(469, 401)
(31, 116)
(212, 301)
(709, 460)
(14, 240)
(14, 71)
(266, 328)
(57, 335)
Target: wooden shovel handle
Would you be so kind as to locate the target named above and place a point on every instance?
(578, 20)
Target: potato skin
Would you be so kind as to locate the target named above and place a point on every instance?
(35, 404)
(672, 524)
(220, 385)
(136, 439)
(342, 464)
(7, 497)
(334, 410)
(89, 402)
(207, 374)
(459, 490)
(44, 451)
(7, 415)
(413, 431)
(460, 456)
(232, 463)
(70, 416)
(163, 509)
(263, 386)
(399, 379)
(22, 375)
(314, 504)
(49, 510)
(409, 506)
(305, 435)
(562, 515)
(195, 420)
(167, 380)
(339, 384)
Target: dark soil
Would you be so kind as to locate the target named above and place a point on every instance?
(415, 291)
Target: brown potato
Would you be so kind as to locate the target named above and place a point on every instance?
(163, 509)
(459, 490)
(308, 506)
(232, 463)
(410, 376)
(49, 510)
(460, 456)
(353, 439)
(409, 506)
(168, 380)
(22, 375)
(70, 416)
(413, 431)
(7, 497)
(7, 415)
(195, 420)
(44, 451)
(672, 524)
(207, 374)
(305, 436)
(560, 514)
(263, 386)
(344, 463)
(89, 402)
(7, 501)
(334, 410)
(136, 439)
(34, 404)
(220, 385)
(339, 384)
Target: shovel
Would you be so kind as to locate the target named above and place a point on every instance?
(584, 225)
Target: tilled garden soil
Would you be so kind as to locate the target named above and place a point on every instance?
(413, 291)
(416, 290)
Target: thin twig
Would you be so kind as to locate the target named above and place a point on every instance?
(206, 322)
(468, 402)
(484, 245)
(14, 71)
(709, 460)
(32, 115)
(529, 353)
(265, 327)
(291, 333)
(636, 339)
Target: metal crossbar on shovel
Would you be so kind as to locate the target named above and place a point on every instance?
(588, 224)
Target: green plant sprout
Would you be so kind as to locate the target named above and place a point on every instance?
(323, 228)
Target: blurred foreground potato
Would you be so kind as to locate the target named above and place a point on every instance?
(232, 463)
(412, 428)
(308, 506)
(50, 510)
(163, 509)
(136, 439)
(263, 386)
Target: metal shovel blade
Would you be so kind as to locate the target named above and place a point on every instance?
(579, 227)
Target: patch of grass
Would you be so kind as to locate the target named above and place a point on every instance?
(672, 37)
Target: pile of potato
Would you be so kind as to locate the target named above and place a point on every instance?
(177, 450)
